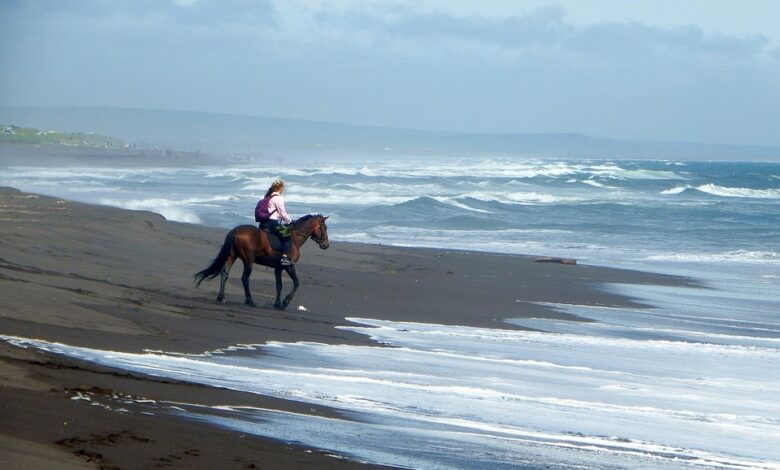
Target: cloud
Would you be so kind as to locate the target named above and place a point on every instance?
(394, 27)
(393, 64)
(545, 31)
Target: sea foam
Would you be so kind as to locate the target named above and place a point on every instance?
(176, 210)
(722, 191)
(558, 396)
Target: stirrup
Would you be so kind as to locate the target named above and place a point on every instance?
(286, 261)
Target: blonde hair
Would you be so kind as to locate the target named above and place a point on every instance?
(276, 186)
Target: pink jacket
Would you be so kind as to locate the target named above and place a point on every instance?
(277, 202)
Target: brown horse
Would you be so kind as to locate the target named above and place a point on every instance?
(253, 245)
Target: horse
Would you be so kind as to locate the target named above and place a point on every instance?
(253, 246)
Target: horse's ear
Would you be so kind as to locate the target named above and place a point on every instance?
(325, 218)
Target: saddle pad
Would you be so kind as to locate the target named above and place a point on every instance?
(273, 239)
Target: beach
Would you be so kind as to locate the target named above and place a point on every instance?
(117, 280)
(537, 235)
(533, 235)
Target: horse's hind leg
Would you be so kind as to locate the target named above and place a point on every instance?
(294, 276)
(245, 281)
(223, 277)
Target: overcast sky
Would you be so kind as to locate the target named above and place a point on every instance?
(667, 70)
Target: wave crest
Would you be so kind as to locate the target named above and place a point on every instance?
(170, 209)
(737, 256)
(723, 191)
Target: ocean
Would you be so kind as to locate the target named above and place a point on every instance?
(691, 381)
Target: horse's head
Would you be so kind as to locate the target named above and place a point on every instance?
(319, 232)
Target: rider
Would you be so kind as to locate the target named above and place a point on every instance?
(278, 218)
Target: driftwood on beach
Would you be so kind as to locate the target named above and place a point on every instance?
(551, 259)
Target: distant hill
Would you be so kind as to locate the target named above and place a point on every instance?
(224, 134)
(12, 134)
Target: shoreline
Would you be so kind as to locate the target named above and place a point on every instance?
(113, 279)
(51, 155)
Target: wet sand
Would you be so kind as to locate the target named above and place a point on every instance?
(120, 280)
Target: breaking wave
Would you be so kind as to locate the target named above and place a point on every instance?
(737, 256)
(176, 210)
(723, 191)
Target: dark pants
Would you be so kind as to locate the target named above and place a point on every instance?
(286, 241)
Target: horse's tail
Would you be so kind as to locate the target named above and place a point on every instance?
(216, 266)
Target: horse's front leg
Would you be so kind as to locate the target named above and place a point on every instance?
(278, 275)
(294, 276)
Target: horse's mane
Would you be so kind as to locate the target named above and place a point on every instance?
(305, 218)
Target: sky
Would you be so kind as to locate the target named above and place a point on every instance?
(665, 70)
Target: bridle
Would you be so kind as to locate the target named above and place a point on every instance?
(319, 241)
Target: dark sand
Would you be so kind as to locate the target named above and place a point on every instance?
(121, 280)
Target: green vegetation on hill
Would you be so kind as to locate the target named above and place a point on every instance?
(28, 135)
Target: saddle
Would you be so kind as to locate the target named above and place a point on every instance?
(274, 239)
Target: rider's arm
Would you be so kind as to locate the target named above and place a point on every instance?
(280, 211)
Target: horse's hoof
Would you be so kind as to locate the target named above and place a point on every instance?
(221, 300)
(251, 303)
(278, 306)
